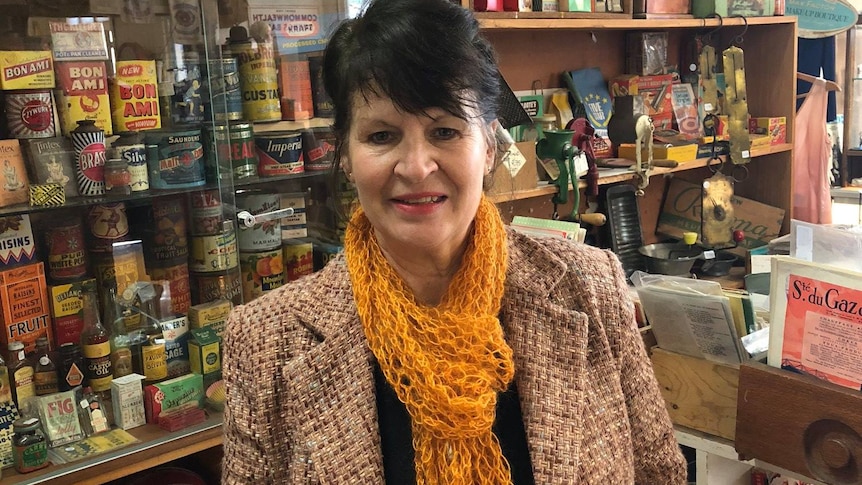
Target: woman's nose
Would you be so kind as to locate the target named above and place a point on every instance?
(416, 159)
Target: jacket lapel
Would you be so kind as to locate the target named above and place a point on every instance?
(332, 393)
(549, 342)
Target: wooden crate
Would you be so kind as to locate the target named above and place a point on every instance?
(699, 394)
(800, 423)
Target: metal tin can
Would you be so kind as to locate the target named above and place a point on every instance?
(89, 144)
(227, 93)
(67, 259)
(108, 224)
(206, 213)
(175, 159)
(30, 114)
(167, 237)
(260, 272)
(243, 159)
(318, 149)
(177, 277)
(213, 253)
(298, 259)
(217, 163)
(130, 148)
(187, 103)
(279, 153)
(259, 81)
(207, 287)
(118, 269)
(265, 235)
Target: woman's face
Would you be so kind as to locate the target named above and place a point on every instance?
(418, 177)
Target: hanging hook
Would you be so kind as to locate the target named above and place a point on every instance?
(536, 85)
(708, 35)
(739, 38)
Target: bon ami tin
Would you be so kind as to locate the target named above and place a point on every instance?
(175, 158)
(279, 153)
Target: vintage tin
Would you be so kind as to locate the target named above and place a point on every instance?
(50, 160)
(226, 90)
(265, 235)
(167, 236)
(298, 259)
(82, 94)
(67, 258)
(175, 158)
(30, 114)
(258, 79)
(279, 153)
(187, 103)
(108, 224)
(177, 278)
(221, 285)
(260, 272)
(206, 213)
(118, 269)
(217, 158)
(243, 159)
(213, 253)
(134, 96)
(130, 148)
(318, 149)
(88, 142)
(26, 70)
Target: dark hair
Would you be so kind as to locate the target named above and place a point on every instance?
(419, 53)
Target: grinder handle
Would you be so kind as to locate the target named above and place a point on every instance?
(594, 218)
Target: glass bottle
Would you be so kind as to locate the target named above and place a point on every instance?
(71, 369)
(20, 374)
(46, 371)
(30, 451)
(5, 388)
(118, 179)
(96, 346)
(121, 355)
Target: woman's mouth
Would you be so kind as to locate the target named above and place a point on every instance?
(422, 200)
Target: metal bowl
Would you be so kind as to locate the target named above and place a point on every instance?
(670, 258)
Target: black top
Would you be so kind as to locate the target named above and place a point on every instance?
(396, 435)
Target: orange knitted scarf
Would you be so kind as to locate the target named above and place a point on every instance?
(447, 362)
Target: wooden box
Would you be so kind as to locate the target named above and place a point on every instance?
(800, 423)
(517, 171)
(699, 394)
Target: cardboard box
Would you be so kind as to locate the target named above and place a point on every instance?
(17, 246)
(67, 310)
(127, 399)
(212, 315)
(15, 186)
(774, 127)
(294, 81)
(297, 224)
(661, 151)
(517, 171)
(172, 393)
(577, 5)
(82, 94)
(176, 333)
(205, 352)
(681, 212)
(24, 298)
(698, 394)
(26, 70)
(657, 95)
(135, 96)
(624, 85)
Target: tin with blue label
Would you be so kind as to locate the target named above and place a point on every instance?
(175, 159)
(226, 89)
(279, 153)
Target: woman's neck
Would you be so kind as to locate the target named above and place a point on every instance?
(427, 274)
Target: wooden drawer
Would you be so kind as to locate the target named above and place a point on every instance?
(699, 394)
(806, 425)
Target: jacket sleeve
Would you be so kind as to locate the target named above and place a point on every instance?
(658, 458)
(256, 444)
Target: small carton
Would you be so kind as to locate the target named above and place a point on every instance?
(82, 41)
(13, 174)
(212, 315)
(517, 171)
(624, 85)
(294, 81)
(295, 225)
(82, 94)
(172, 393)
(127, 397)
(17, 244)
(656, 92)
(67, 310)
(26, 70)
(176, 333)
(24, 300)
(205, 352)
(298, 258)
(775, 127)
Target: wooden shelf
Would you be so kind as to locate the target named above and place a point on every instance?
(613, 176)
(292, 125)
(156, 447)
(585, 21)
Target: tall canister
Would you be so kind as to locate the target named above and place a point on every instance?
(258, 76)
(89, 144)
(226, 89)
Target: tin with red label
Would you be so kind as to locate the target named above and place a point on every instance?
(207, 287)
(318, 149)
(279, 153)
(261, 272)
(67, 258)
(88, 142)
(30, 114)
(206, 212)
(177, 277)
(108, 224)
(243, 159)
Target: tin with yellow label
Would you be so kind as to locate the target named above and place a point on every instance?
(213, 253)
(260, 272)
(258, 78)
(134, 96)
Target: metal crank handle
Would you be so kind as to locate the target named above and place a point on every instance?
(248, 220)
(594, 218)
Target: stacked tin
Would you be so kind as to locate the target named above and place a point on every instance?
(260, 253)
(213, 258)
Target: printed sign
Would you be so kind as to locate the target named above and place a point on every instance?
(822, 18)
(298, 28)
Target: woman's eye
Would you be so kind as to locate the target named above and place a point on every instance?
(380, 137)
(445, 133)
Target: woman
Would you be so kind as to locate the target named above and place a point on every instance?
(441, 348)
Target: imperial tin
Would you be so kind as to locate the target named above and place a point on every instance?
(279, 153)
(222, 285)
(318, 149)
(30, 114)
(264, 235)
(89, 144)
(175, 158)
(260, 272)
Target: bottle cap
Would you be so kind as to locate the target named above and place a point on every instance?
(16, 345)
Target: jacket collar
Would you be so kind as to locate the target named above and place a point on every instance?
(533, 273)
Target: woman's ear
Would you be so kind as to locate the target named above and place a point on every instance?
(492, 149)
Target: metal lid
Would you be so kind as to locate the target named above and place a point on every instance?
(23, 425)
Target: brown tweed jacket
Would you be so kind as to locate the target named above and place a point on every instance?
(301, 406)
